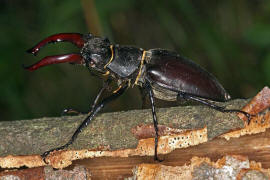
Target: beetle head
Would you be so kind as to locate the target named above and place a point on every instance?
(96, 52)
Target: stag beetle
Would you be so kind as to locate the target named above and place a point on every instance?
(161, 73)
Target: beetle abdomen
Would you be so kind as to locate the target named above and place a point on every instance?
(171, 71)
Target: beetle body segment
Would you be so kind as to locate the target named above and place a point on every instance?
(126, 61)
(96, 52)
(102, 56)
(169, 71)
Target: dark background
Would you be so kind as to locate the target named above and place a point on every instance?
(231, 39)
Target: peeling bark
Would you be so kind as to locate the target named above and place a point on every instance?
(226, 168)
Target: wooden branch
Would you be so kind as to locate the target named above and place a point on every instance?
(113, 130)
(111, 136)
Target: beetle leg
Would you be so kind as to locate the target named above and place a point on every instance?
(151, 97)
(86, 121)
(143, 97)
(105, 86)
(75, 38)
(71, 58)
(70, 111)
(218, 108)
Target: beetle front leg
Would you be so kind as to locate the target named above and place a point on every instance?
(151, 97)
(105, 86)
(86, 121)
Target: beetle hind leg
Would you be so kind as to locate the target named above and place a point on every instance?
(213, 106)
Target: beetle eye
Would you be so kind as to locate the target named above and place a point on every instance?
(92, 63)
(95, 58)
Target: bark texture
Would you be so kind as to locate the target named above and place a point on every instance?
(113, 130)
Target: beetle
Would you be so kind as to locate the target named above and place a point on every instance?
(163, 74)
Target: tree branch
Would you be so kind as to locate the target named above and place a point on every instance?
(113, 135)
(26, 137)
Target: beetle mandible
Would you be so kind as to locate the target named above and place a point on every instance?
(161, 73)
